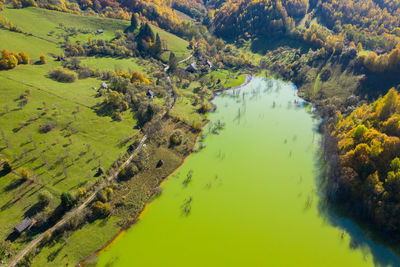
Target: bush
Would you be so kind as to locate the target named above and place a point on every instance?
(8, 60)
(176, 137)
(117, 116)
(24, 174)
(104, 195)
(68, 200)
(127, 173)
(100, 209)
(43, 59)
(47, 127)
(205, 107)
(24, 57)
(85, 72)
(196, 126)
(45, 197)
(63, 75)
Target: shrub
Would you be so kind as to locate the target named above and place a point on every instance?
(127, 173)
(158, 191)
(24, 174)
(117, 116)
(8, 60)
(43, 59)
(100, 209)
(45, 197)
(63, 75)
(104, 195)
(85, 72)
(68, 200)
(176, 137)
(25, 59)
(205, 107)
(196, 126)
(47, 127)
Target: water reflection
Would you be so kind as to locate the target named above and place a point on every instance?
(360, 235)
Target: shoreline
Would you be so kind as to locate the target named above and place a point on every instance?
(83, 262)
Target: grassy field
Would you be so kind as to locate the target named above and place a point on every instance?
(68, 156)
(61, 160)
(28, 20)
(229, 79)
(109, 63)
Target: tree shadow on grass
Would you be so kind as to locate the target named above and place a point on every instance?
(11, 202)
(36, 208)
(52, 256)
(4, 173)
(13, 185)
(103, 110)
(12, 236)
(59, 181)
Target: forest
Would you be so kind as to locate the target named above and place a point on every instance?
(368, 145)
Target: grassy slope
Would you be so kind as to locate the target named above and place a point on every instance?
(103, 134)
(104, 138)
(109, 63)
(17, 42)
(49, 21)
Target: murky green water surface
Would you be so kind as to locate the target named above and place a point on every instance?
(253, 198)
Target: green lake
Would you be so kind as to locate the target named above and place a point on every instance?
(253, 198)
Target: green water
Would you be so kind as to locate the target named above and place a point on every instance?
(254, 196)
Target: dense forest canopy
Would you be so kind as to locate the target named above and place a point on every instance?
(250, 18)
(374, 23)
(368, 143)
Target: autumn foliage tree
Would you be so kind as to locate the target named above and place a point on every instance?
(10, 59)
(368, 143)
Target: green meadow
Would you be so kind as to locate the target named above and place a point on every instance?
(68, 156)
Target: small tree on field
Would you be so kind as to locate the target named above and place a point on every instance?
(24, 174)
(173, 62)
(43, 59)
(68, 200)
(45, 197)
(25, 59)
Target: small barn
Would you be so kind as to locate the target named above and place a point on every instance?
(100, 31)
(24, 225)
